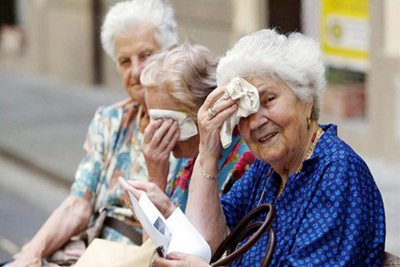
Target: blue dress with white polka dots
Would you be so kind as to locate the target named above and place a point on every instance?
(329, 214)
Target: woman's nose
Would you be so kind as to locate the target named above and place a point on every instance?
(256, 120)
(137, 67)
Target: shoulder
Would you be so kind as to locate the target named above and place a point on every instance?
(333, 151)
(116, 110)
(338, 164)
(112, 116)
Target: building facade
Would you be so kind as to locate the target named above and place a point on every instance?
(61, 38)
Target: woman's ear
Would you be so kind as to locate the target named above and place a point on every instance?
(309, 107)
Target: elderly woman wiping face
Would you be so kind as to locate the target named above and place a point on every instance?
(329, 211)
(177, 83)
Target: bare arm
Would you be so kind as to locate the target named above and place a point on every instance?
(68, 219)
(203, 205)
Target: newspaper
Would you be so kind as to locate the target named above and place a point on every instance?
(175, 234)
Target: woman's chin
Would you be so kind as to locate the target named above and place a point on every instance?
(176, 153)
(137, 95)
(179, 154)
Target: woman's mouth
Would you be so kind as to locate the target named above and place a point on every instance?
(265, 138)
(135, 84)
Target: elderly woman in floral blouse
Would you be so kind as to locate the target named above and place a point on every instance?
(132, 31)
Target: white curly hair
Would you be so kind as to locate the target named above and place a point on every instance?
(295, 60)
(124, 15)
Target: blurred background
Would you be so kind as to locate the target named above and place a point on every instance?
(54, 74)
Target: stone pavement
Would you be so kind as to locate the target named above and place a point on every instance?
(43, 123)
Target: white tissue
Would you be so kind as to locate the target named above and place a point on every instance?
(248, 104)
(187, 126)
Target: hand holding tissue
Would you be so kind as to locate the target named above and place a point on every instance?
(248, 104)
(187, 126)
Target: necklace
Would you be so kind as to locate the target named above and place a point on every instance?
(262, 194)
(314, 140)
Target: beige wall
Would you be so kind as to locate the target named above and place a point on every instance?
(383, 86)
(207, 22)
(59, 34)
(391, 28)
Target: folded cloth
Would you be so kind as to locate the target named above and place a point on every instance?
(187, 126)
(248, 104)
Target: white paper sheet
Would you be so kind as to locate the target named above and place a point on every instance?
(175, 234)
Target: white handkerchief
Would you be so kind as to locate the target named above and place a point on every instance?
(248, 104)
(187, 126)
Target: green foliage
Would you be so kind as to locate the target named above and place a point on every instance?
(344, 76)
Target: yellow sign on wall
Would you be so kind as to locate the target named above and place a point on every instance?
(345, 32)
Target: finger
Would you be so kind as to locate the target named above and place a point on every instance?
(126, 186)
(161, 262)
(223, 104)
(155, 131)
(174, 140)
(225, 112)
(176, 256)
(144, 186)
(212, 97)
(182, 258)
(151, 129)
(170, 136)
(128, 203)
(162, 130)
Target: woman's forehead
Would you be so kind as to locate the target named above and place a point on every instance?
(265, 82)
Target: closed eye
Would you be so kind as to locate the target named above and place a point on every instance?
(145, 54)
(268, 100)
(124, 61)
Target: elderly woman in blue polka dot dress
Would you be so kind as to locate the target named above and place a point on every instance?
(329, 211)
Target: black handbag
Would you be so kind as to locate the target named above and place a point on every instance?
(244, 229)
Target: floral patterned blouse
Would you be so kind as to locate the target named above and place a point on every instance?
(113, 149)
(177, 187)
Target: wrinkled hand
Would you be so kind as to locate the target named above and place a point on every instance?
(209, 127)
(179, 260)
(159, 139)
(155, 194)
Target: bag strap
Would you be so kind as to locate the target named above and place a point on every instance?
(243, 229)
(124, 229)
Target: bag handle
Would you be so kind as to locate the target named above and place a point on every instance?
(242, 230)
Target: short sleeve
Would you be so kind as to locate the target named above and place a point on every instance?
(89, 170)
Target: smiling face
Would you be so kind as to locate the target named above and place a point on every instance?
(277, 133)
(133, 47)
(159, 98)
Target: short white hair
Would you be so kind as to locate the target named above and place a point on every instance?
(295, 60)
(124, 15)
